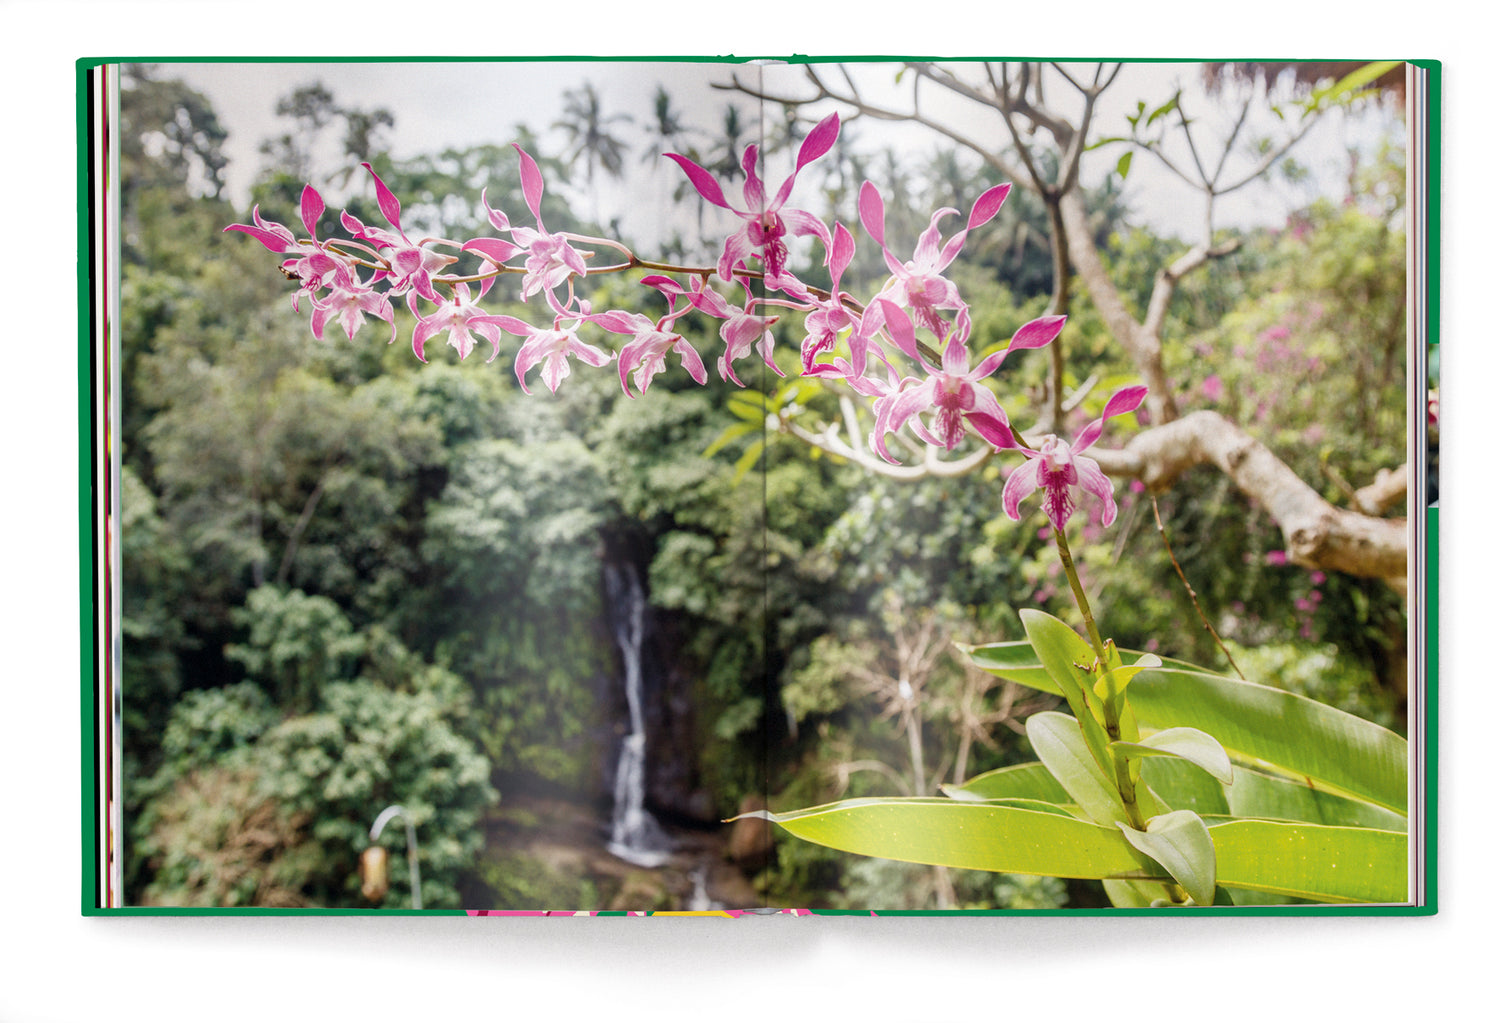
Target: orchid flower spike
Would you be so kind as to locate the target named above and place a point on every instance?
(1057, 467)
(766, 224)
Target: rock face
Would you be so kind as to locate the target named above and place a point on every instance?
(750, 838)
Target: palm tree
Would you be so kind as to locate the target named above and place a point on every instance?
(666, 131)
(725, 161)
(589, 137)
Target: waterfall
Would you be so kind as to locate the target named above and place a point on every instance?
(634, 835)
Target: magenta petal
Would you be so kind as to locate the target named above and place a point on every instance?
(955, 357)
(840, 252)
(996, 431)
(531, 183)
(702, 180)
(390, 207)
(737, 249)
(1021, 484)
(617, 321)
(1126, 399)
(908, 403)
(270, 239)
(509, 324)
(312, 209)
(927, 253)
(1092, 479)
(988, 205)
(493, 249)
(1038, 333)
(872, 211)
(898, 325)
(755, 193)
(588, 353)
(691, 361)
(818, 141)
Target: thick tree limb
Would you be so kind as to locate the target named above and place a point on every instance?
(1143, 347)
(1318, 535)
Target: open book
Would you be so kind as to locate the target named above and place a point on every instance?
(757, 486)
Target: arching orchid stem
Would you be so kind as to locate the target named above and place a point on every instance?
(1078, 595)
(1124, 781)
(591, 240)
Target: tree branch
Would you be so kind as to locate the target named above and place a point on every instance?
(1318, 535)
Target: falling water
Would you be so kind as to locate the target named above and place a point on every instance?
(634, 834)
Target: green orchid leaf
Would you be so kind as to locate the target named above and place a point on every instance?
(976, 836)
(751, 405)
(1017, 661)
(1192, 745)
(1261, 727)
(1312, 861)
(1307, 861)
(1268, 797)
(1061, 652)
(1350, 84)
(1115, 680)
(1021, 781)
(1061, 747)
(1180, 842)
(1132, 894)
(1185, 786)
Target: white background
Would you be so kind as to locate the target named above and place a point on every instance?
(56, 965)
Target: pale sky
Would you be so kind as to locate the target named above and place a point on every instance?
(465, 103)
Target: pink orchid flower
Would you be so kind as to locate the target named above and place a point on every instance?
(1057, 467)
(953, 391)
(551, 348)
(457, 317)
(412, 264)
(646, 353)
(347, 302)
(551, 260)
(766, 224)
(314, 266)
(831, 317)
(743, 328)
(919, 285)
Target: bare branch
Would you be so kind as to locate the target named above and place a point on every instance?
(1318, 535)
(1234, 134)
(1143, 348)
(933, 465)
(1390, 486)
(1166, 281)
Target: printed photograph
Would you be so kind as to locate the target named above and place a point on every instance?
(716, 487)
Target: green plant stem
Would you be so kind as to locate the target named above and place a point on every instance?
(1079, 598)
(1124, 783)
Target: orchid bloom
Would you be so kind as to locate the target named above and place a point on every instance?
(314, 266)
(830, 317)
(348, 299)
(457, 317)
(646, 354)
(766, 224)
(1057, 467)
(412, 264)
(551, 260)
(551, 347)
(954, 390)
(742, 329)
(919, 285)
